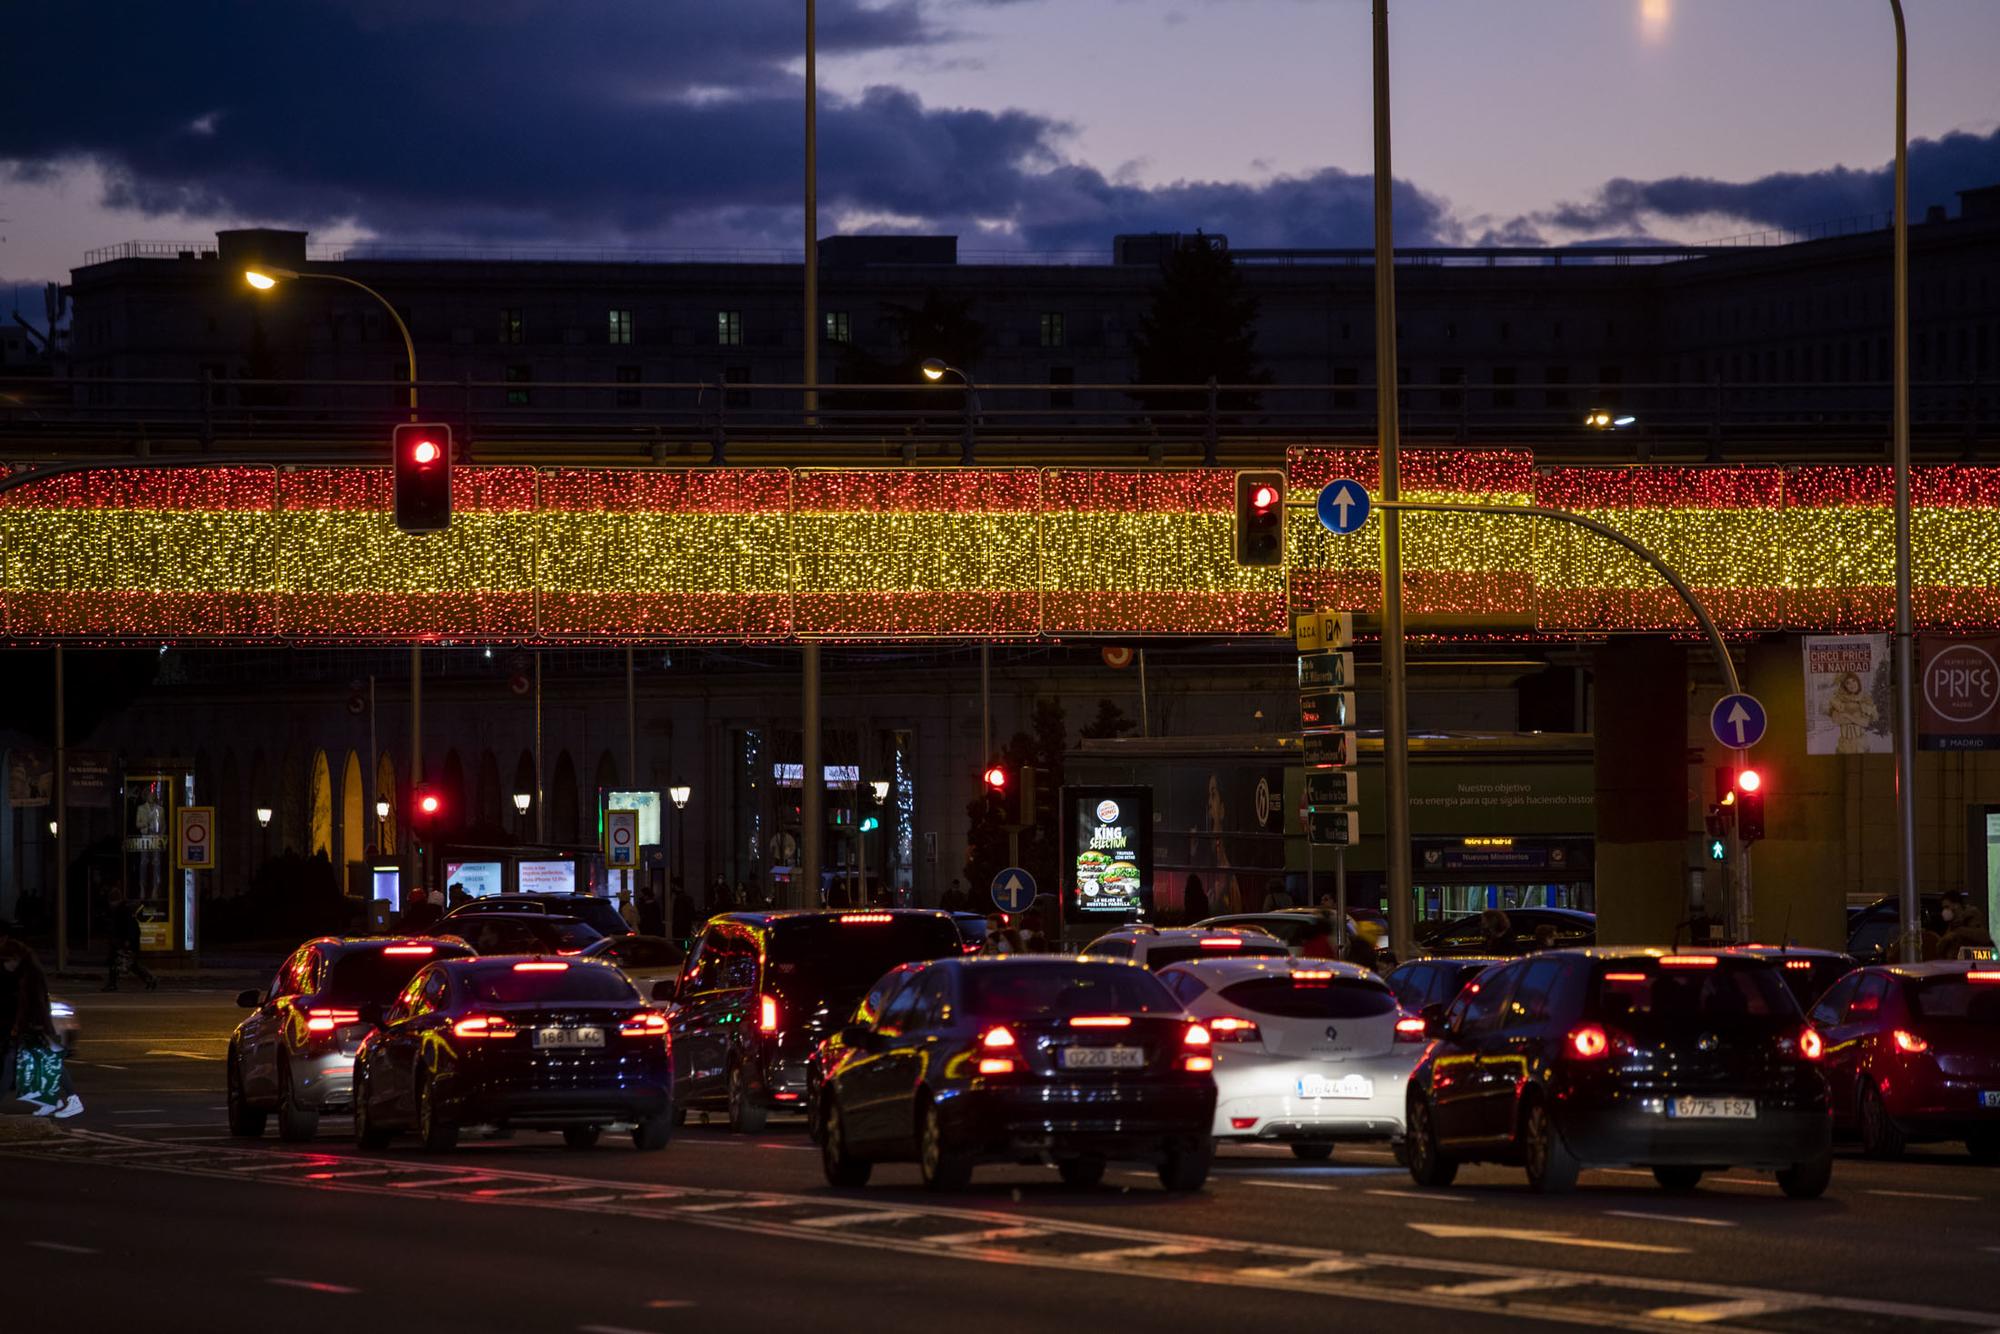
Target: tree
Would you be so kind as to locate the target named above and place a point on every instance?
(1110, 722)
(1202, 326)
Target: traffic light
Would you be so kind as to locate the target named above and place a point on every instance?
(1010, 795)
(426, 809)
(1749, 806)
(1260, 518)
(423, 476)
(998, 784)
(1718, 850)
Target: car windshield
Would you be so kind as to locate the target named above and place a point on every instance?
(1008, 991)
(815, 960)
(1290, 998)
(1159, 956)
(1638, 994)
(1957, 998)
(361, 976)
(545, 983)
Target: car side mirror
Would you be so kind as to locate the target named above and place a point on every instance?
(1434, 1020)
(665, 991)
(249, 1000)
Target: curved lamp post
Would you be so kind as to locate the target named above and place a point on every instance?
(264, 279)
(935, 369)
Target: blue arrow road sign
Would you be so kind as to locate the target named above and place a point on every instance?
(1343, 505)
(1013, 890)
(1738, 721)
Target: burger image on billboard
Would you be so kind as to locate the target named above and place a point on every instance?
(1090, 861)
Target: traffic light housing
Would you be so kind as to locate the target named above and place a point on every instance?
(426, 809)
(422, 452)
(1749, 806)
(1010, 794)
(1260, 518)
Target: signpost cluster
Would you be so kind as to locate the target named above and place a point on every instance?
(1331, 789)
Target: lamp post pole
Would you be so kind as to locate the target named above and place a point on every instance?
(805, 887)
(1906, 723)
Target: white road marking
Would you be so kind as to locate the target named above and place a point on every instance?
(342, 1176)
(1923, 1195)
(282, 1164)
(986, 1234)
(1710, 1312)
(1706, 1181)
(732, 1204)
(440, 1183)
(312, 1285)
(65, 1248)
(853, 1220)
(1288, 1185)
(1496, 1287)
(1667, 1218)
(185, 1056)
(493, 1191)
(1157, 1251)
(1307, 1270)
(1431, 1195)
(1452, 1231)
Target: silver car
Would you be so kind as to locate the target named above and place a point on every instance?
(294, 1054)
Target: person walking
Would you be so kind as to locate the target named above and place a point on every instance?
(1316, 940)
(124, 947)
(1000, 938)
(1194, 901)
(41, 1078)
(1965, 927)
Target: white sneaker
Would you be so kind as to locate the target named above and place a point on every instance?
(70, 1108)
(41, 1108)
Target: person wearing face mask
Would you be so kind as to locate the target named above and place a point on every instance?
(1964, 927)
(34, 1050)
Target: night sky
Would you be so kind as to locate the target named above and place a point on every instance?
(1018, 124)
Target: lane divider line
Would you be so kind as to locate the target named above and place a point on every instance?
(1667, 1218)
(1499, 1287)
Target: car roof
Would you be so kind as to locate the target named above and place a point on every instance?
(992, 961)
(1458, 961)
(474, 962)
(351, 944)
(1617, 952)
(1266, 966)
(555, 917)
(1166, 933)
(1781, 951)
(1937, 967)
(775, 916)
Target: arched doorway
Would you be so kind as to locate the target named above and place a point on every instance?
(385, 790)
(488, 804)
(562, 823)
(319, 806)
(354, 812)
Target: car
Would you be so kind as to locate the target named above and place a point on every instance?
(600, 913)
(1156, 947)
(1872, 933)
(294, 1053)
(1913, 1053)
(1679, 1062)
(523, 933)
(517, 1043)
(653, 963)
(1463, 936)
(1287, 924)
(1421, 983)
(1016, 1059)
(1307, 1051)
(67, 1026)
(761, 989)
(972, 927)
(1807, 972)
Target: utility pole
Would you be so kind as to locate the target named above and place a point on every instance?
(805, 889)
(1906, 668)
(412, 868)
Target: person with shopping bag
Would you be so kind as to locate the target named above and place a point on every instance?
(41, 1078)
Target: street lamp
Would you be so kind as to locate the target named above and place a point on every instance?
(880, 787)
(935, 369)
(264, 816)
(522, 800)
(382, 811)
(679, 793)
(266, 278)
(52, 829)
(1602, 419)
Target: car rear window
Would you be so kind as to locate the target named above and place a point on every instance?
(643, 952)
(1288, 998)
(1809, 978)
(600, 913)
(1159, 956)
(510, 986)
(814, 959)
(1007, 991)
(365, 975)
(566, 935)
(1639, 994)
(1956, 998)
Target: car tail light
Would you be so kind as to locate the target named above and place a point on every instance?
(1222, 942)
(483, 1026)
(1232, 1028)
(767, 1014)
(1588, 1043)
(995, 1039)
(1688, 961)
(864, 918)
(1101, 1021)
(1198, 1065)
(645, 1024)
(1409, 1028)
(1196, 1036)
(1798, 965)
(325, 1021)
(973, 946)
(1242, 1122)
(996, 1065)
(1909, 1043)
(1811, 1045)
(1624, 977)
(1983, 975)
(540, 966)
(411, 951)
(1312, 975)
(1197, 1061)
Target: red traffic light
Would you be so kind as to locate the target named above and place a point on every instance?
(1263, 497)
(1749, 781)
(422, 455)
(424, 451)
(428, 803)
(996, 778)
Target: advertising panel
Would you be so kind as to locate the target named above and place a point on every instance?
(1107, 854)
(476, 879)
(1848, 707)
(550, 877)
(1958, 696)
(648, 806)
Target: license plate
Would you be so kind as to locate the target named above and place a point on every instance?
(1989, 1098)
(569, 1037)
(1347, 1086)
(1104, 1058)
(1716, 1109)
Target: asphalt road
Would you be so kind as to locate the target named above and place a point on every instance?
(146, 1210)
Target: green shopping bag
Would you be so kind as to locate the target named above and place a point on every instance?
(38, 1074)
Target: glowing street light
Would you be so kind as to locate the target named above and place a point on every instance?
(935, 369)
(521, 802)
(265, 279)
(263, 817)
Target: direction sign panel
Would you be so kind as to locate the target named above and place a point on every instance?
(1332, 710)
(1320, 673)
(1340, 829)
(194, 838)
(1013, 890)
(1343, 505)
(1738, 721)
(1316, 630)
(1331, 789)
(1328, 746)
(621, 839)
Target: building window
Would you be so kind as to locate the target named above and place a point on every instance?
(621, 326)
(729, 328)
(1554, 378)
(518, 378)
(1061, 397)
(839, 328)
(1503, 386)
(1052, 330)
(737, 398)
(628, 398)
(510, 326)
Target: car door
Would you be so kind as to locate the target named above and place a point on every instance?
(712, 1009)
(417, 1052)
(1828, 1015)
(877, 1086)
(1463, 1069)
(1861, 1033)
(257, 1049)
(1512, 1057)
(379, 1054)
(691, 1005)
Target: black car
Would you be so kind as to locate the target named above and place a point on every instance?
(522, 933)
(1425, 982)
(1016, 1059)
(600, 913)
(761, 989)
(1872, 932)
(1807, 973)
(540, 1044)
(1465, 936)
(1684, 1063)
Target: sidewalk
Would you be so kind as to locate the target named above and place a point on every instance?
(224, 972)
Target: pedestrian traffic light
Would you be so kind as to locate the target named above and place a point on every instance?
(1260, 518)
(1749, 806)
(1718, 850)
(423, 476)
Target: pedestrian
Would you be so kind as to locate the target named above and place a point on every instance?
(41, 1078)
(1316, 940)
(1194, 901)
(454, 894)
(1495, 931)
(1276, 899)
(1364, 945)
(683, 917)
(124, 947)
(420, 914)
(628, 910)
(1000, 938)
(1964, 927)
(1545, 937)
(1034, 938)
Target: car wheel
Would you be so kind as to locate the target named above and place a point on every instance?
(944, 1166)
(841, 1167)
(296, 1123)
(1312, 1153)
(1807, 1180)
(367, 1135)
(746, 1114)
(580, 1137)
(1678, 1178)
(651, 1135)
(1085, 1171)
(1984, 1146)
(1185, 1168)
(1428, 1165)
(245, 1121)
(1552, 1168)
(438, 1135)
(1881, 1137)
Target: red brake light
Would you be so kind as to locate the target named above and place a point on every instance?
(1198, 1065)
(645, 1024)
(850, 918)
(325, 1021)
(1196, 1036)
(1983, 976)
(1101, 1021)
(540, 967)
(1312, 975)
(483, 1026)
(1624, 977)
(1242, 1122)
(996, 1065)
(1409, 1028)
(1811, 1045)
(767, 1014)
(1688, 961)
(1589, 1042)
(1231, 1028)
(1798, 963)
(1222, 942)
(411, 950)
(1909, 1043)
(994, 1038)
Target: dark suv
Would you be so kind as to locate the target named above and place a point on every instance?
(521, 933)
(1684, 1063)
(601, 914)
(761, 989)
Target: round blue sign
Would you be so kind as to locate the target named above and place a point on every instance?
(1737, 721)
(1013, 890)
(1343, 505)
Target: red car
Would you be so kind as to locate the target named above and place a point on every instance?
(1913, 1053)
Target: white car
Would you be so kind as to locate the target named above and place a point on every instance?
(1156, 947)
(1307, 1051)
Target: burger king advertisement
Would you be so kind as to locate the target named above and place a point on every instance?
(1107, 854)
